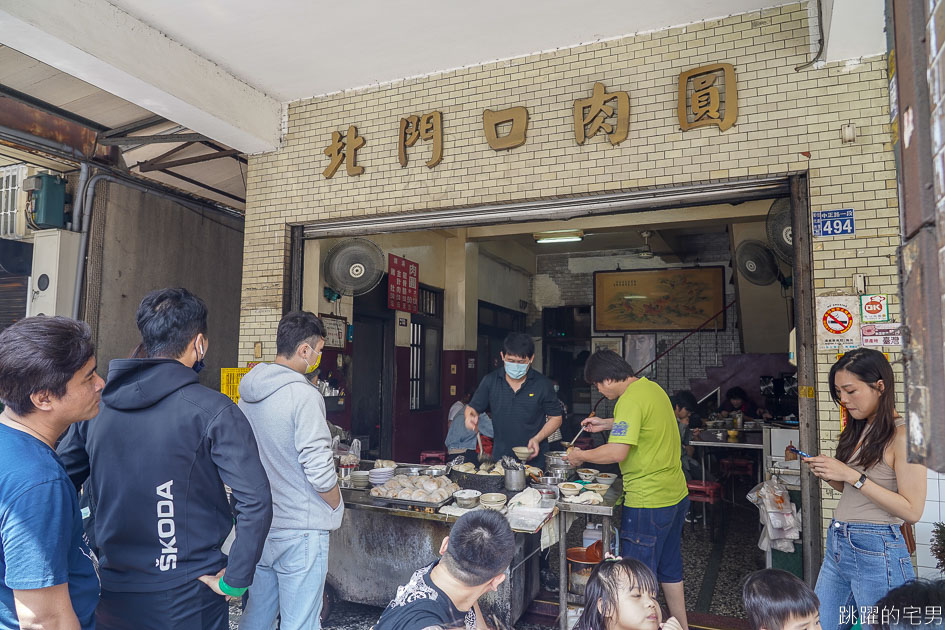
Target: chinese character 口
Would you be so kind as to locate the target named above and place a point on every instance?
(491, 120)
(428, 127)
(598, 111)
(338, 152)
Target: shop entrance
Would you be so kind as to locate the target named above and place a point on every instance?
(490, 270)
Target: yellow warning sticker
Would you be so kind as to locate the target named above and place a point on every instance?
(805, 392)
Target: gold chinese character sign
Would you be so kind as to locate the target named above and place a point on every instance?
(492, 120)
(344, 151)
(591, 113)
(708, 96)
(428, 127)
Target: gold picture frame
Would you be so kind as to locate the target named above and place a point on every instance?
(659, 300)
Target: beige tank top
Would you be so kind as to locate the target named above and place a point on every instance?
(855, 507)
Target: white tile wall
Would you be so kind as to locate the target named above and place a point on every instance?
(934, 512)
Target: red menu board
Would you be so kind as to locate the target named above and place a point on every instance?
(403, 284)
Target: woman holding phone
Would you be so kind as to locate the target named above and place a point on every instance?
(866, 553)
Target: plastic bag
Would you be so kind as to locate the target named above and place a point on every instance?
(353, 456)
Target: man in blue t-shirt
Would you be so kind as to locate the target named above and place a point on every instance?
(47, 382)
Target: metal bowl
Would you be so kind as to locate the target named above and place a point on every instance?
(410, 471)
(433, 472)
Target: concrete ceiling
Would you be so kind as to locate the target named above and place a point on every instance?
(294, 49)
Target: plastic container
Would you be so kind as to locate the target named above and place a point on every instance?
(592, 533)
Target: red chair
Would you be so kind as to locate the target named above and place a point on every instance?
(707, 493)
(732, 468)
(432, 457)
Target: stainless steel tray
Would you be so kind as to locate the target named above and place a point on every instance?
(411, 504)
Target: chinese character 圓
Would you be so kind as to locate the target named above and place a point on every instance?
(428, 127)
(492, 120)
(591, 113)
(344, 151)
(708, 96)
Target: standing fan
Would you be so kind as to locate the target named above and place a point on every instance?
(354, 266)
(778, 229)
(756, 263)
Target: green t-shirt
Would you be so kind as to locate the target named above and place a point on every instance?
(652, 471)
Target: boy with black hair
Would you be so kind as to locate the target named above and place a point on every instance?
(475, 557)
(288, 418)
(48, 381)
(777, 600)
(644, 440)
(521, 401)
(156, 458)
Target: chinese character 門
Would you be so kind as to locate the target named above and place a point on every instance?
(428, 127)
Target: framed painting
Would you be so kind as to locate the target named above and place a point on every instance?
(658, 300)
(610, 343)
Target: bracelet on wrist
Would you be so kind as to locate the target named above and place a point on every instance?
(230, 590)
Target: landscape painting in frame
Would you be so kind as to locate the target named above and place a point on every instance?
(659, 300)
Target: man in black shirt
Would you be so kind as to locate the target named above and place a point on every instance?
(522, 402)
(475, 558)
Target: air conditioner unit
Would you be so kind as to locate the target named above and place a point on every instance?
(55, 255)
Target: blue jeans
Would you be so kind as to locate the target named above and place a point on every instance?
(862, 562)
(653, 536)
(289, 581)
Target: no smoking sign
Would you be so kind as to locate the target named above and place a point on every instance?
(839, 322)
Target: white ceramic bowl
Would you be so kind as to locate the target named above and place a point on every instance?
(599, 488)
(493, 500)
(587, 474)
(606, 478)
(569, 489)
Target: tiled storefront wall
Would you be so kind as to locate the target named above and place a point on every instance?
(783, 115)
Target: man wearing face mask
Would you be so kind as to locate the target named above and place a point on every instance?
(156, 458)
(522, 402)
(288, 417)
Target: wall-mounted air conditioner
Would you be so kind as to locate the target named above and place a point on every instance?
(55, 253)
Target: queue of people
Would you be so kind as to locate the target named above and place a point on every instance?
(150, 449)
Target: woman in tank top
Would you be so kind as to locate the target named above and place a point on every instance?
(866, 554)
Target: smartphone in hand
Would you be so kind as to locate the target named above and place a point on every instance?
(798, 451)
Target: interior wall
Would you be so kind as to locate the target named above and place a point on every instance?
(151, 243)
(503, 285)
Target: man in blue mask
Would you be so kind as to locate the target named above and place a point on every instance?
(521, 401)
(154, 463)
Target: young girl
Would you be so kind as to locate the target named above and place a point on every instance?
(866, 554)
(621, 595)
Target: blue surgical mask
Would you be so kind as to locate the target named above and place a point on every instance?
(516, 370)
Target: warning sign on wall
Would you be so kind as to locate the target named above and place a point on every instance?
(838, 322)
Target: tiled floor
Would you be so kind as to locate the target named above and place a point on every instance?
(739, 557)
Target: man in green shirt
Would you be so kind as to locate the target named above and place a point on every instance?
(644, 440)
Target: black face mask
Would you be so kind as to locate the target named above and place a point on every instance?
(199, 364)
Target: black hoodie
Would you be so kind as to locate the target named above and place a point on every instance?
(157, 456)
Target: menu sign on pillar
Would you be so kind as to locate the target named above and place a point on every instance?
(403, 288)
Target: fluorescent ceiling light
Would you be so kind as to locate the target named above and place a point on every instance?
(559, 236)
(635, 297)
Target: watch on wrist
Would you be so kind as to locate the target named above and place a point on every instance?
(859, 482)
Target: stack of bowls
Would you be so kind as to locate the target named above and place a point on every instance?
(360, 479)
(493, 500)
(380, 476)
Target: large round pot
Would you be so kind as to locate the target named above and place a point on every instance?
(557, 459)
(410, 471)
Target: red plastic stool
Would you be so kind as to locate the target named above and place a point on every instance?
(707, 492)
(432, 457)
(733, 467)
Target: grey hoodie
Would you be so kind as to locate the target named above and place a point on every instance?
(288, 418)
